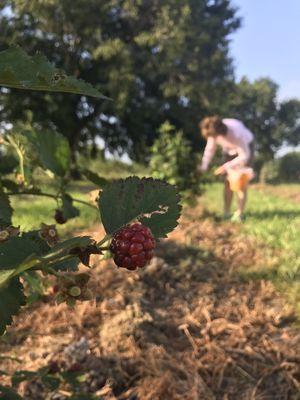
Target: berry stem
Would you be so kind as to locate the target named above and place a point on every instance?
(106, 238)
(53, 196)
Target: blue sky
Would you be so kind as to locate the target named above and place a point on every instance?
(268, 43)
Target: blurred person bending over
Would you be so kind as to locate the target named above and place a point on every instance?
(237, 143)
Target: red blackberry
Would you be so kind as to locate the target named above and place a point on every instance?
(132, 246)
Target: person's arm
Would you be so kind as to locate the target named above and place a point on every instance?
(241, 159)
(209, 152)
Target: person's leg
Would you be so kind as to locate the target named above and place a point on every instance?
(242, 198)
(228, 194)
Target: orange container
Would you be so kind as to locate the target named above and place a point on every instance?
(239, 178)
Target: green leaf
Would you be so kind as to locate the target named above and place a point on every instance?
(12, 299)
(65, 246)
(52, 382)
(62, 249)
(25, 252)
(15, 250)
(39, 245)
(95, 178)
(19, 70)
(49, 380)
(53, 150)
(8, 163)
(19, 253)
(67, 265)
(153, 202)
(83, 396)
(7, 393)
(34, 282)
(6, 210)
(69, 211)
(21, 376)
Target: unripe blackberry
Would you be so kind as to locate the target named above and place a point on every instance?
(59, 217)
(132, 246)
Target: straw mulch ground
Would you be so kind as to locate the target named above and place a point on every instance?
(186, 328)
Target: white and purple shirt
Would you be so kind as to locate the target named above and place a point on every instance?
(235, 142)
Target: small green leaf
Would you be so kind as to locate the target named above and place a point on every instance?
(69, 211)
(12, 299)
(19, 70)
(7, 393)
(153, 202)
(52, 149)
(52, 382)
(6, 210)
(95, 178)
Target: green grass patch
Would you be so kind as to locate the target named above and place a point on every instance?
(275, 221)
(31, 211)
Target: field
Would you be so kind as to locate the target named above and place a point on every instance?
(214, 316)
(273, 218)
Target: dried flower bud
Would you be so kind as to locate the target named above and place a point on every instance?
(9, 232)
(49, 233)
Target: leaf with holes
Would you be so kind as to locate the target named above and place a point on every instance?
(153, 202)
(21, 71)
(12, 299)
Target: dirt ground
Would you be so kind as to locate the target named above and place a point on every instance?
(187, 327)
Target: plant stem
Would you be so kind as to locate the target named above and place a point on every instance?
(105, 239)
(53, 196)
(19, 152)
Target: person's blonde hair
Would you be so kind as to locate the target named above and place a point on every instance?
(212, 126)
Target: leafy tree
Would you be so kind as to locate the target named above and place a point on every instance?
(274, 123)
(289, 167)
(157, 60)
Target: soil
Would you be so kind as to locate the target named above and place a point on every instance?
(187, 327)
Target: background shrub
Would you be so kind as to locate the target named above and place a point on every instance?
(173, 160)
(289, 167)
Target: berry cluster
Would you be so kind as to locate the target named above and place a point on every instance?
(132, 246)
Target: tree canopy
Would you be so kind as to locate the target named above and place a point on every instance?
(156, 60)
(273, 122)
